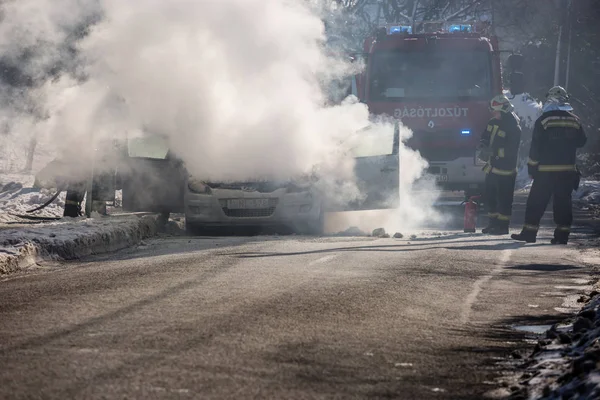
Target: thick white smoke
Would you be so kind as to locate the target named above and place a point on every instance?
(418, 194)
(35, 36)
(237, 86)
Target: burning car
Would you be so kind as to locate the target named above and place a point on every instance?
(154, 179)
(285, 205)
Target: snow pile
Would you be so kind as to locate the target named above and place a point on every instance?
(523, 181)
(71, 238)
(23, 243)
(17, 196)
(528, 109)
(15, 204)
(566, 365)
(588, 192)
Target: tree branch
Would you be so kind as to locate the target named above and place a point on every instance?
(462, 11)
(414, 13)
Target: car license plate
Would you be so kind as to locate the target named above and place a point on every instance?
(441, 178)
(238, 204)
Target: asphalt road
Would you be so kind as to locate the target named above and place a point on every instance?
(282, 317)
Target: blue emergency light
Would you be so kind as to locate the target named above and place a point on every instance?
(465, 132)
(400, 29)
(460, 28)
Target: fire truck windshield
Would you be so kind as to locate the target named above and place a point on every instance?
(398, 75)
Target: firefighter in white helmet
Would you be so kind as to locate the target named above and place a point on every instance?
(557, 135)
(499, 148)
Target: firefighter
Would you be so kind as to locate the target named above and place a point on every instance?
(499, 147)
(73, 202)
(557, 135)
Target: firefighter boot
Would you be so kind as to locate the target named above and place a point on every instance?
(491, 225)
(561, 236)
(501, 228)
(525, 236)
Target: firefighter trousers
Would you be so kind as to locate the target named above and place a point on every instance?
(559, 186)
(73, 203)
(499, 196)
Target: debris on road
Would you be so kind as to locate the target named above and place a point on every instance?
(352, 231)
(566, 364)
(380, 233)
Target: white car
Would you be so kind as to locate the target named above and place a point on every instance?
(154, 180)
(286, 206)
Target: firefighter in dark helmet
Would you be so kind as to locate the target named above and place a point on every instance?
(557, 135)
(499, 147)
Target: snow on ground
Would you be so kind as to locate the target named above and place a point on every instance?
(566, 363)
(588, 191)
(523, 181)
(526, 107)
(14, 203)
(71, 238)
(17, 196)
(23, 242)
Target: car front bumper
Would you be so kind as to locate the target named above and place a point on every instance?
(283, 208)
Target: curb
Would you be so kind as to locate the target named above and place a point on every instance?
(121, 233)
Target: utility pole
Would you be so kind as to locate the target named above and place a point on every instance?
(557, 61)
(414, 16)
(570, 25)
(493, 8)
(562, 10)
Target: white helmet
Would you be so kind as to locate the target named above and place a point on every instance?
(501, 103)
(557, 93)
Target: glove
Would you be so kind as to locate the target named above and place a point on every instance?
(484, 154)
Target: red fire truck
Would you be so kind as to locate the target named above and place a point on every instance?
(438, 84)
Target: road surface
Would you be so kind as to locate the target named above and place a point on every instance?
(282, 317)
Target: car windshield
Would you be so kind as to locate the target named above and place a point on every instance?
(399, 75)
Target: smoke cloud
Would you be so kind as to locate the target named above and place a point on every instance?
(238, 87)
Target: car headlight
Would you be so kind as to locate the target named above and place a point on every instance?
(297, 187)
(199, 187)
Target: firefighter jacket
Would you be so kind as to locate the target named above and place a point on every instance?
(556, 137)
(502, 137)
